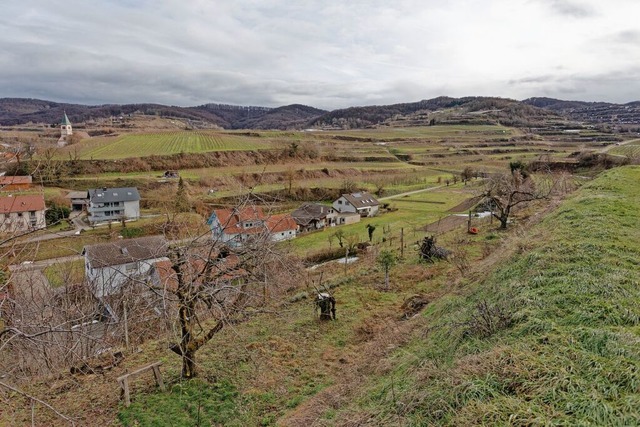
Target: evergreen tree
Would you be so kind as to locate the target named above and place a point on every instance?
(182, 202)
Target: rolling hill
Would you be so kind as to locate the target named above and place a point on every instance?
(532, 112)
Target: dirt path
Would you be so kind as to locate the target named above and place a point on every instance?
(370, 359)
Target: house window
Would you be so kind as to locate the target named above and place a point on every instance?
(339, 202)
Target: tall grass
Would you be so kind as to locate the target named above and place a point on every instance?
(571, 355)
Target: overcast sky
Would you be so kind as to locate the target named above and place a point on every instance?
(324, 53)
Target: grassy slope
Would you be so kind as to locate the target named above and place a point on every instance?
(571, 355)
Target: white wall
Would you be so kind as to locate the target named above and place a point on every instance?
(10, 222)
(108, 280)
(132, 209)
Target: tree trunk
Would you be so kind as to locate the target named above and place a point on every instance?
(503, 222)
(386, 279)
(188, 364)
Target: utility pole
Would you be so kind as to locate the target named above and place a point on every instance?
(126, 325)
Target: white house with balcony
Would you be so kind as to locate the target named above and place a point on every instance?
(113, 204)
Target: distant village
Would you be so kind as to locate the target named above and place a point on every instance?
(109, 265)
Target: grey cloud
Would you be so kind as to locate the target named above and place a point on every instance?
(621, 85)
(627, 37)
(275, 52)
(570, 8)
(534, 79)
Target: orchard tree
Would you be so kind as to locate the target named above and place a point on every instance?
(219, 281)
(386, 259)
(507, 190)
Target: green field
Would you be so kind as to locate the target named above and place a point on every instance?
(413, 212)
(164, 143)
(630, 150)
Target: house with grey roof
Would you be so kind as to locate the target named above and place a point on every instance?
(314, 216)
(362, 203)
(113, 204)
(108, 266)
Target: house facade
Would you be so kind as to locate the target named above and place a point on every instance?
(362, 203)
(314, 216)
(347, 218)
(235, 227)
(108, 266)
(113, 204)
(22, 213)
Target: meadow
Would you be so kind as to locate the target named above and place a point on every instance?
(558, 345)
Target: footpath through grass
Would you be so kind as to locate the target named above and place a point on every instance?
(550, 338)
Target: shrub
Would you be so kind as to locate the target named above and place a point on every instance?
(55, 214)
(129, 233)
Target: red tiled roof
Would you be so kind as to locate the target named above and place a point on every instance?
(231, 221)
(15, 180)
(279, 223)
(22, 203)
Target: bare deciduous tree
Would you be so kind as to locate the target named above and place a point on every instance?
(506, 191)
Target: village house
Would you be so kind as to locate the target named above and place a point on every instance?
(314, 216)
(361, 203)
(113, 204)
(15, 183)
(237, 226)
(108, 266)
(22, 213)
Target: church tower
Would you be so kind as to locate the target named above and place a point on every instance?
(65, 130)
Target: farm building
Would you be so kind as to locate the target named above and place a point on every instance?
(22, 213)
(314, 216)
(15, 183)
(113, 204)
(237, 226)
(361, 203)
(79, 200)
